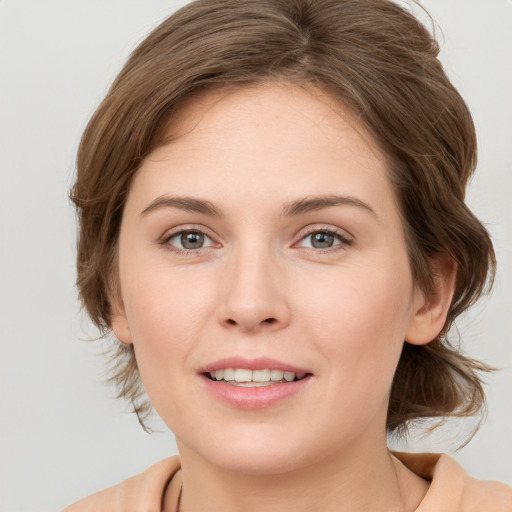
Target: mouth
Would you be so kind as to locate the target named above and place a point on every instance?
(254, 383)
(244, 377)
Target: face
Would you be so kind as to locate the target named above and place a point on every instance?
(263, 247)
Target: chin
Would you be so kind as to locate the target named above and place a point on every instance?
(258, 462)
(254, 451)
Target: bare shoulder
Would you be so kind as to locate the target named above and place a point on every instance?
(140, 493)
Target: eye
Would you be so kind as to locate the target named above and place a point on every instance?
(323, 239)
(189, 240)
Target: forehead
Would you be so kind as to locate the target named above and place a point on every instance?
(264, 108)
(244, 142)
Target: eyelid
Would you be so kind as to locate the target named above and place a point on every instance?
(185, 231)
(180, 228)
(186, 228)
(345, 238)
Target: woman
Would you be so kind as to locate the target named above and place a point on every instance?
(272, 217)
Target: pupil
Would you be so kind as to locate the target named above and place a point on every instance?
(322, 240)
(192, 240)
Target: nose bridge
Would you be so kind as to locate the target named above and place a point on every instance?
(254, 297)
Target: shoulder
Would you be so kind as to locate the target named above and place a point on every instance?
(140, 493)
(452, 489)
(486, 496)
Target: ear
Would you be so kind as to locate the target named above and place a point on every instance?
(119, 322)
(430, 310)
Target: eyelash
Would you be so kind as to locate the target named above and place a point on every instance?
(343, 240)
(182, 251)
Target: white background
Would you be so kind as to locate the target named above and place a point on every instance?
(63, 435)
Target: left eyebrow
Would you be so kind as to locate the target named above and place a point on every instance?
(309, 204)
(189, 204)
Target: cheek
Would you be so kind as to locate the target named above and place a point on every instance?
(166, 323)
(167, 314)
(161, 299)
(359, 322)
(359, 328)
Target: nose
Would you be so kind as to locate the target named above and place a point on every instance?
(254, 293)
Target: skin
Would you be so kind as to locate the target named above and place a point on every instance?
(259, 287)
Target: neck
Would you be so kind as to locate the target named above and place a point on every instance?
(335, 483)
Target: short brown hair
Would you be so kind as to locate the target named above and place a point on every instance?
(376, 58)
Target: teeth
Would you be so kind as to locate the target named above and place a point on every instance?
(261, 375)
(243, 376)
(229, 374)
(276, 374)
(289, 376)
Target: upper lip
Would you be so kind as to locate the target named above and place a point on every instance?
(259, 363)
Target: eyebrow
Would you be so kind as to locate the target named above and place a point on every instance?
(189, 204)
(297, 207)
(309, 204)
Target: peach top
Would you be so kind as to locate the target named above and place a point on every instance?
(451, 489)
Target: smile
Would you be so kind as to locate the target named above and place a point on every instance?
(254, 383)
(254, 378)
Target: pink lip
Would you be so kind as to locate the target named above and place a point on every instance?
(259, 363)
(255, 397)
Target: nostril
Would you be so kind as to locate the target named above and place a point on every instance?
(244, 324)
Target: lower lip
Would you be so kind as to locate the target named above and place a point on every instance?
(257, 397)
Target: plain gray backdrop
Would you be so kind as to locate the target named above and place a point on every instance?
(63, 435)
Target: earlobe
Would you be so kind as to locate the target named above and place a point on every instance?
(430, 310)
(119, 324)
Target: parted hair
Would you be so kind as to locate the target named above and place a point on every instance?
(380, 62)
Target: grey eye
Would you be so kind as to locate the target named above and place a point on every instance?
(192, 240)
(189, 240)
(322, 240)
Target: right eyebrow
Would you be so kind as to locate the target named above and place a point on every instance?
(308, 204)
(189, 204)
